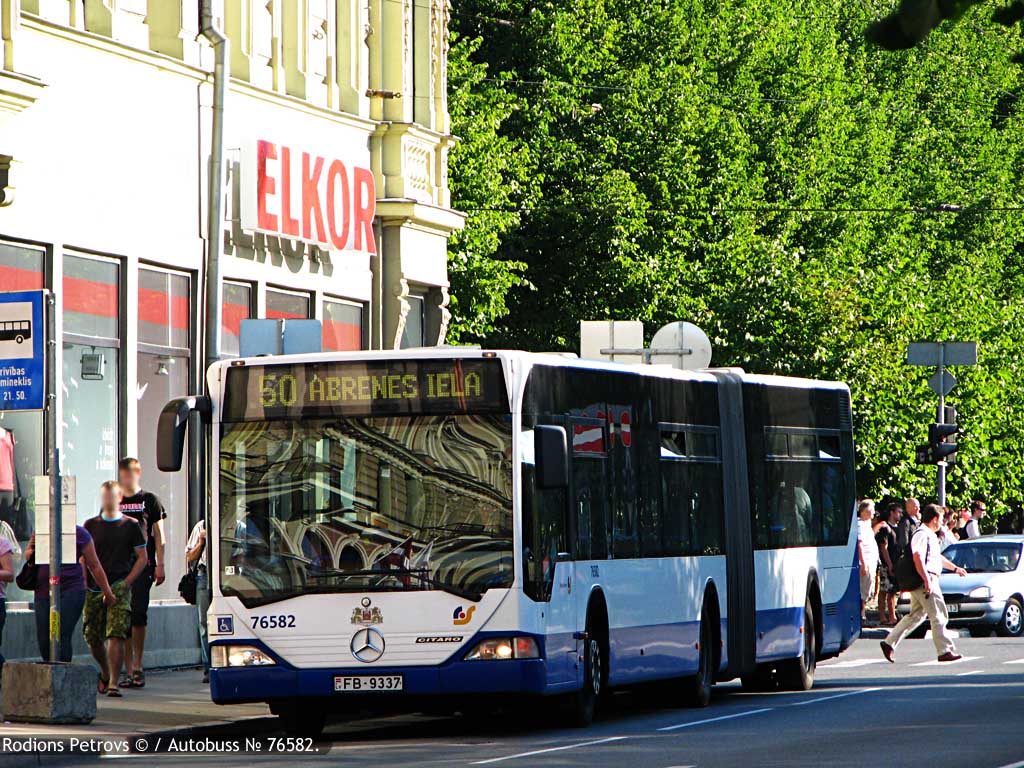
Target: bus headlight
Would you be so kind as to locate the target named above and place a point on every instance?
(238, 656)
(501, 648)
(980, 593)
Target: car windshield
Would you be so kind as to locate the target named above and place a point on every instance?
(365, 504)
(985, 558)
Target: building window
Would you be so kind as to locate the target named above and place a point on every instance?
(22, 447)
(415, 322)
(236, 307)
(21, 268)
(283, 305)
(91, 375)
(164, 363)
(342, 326)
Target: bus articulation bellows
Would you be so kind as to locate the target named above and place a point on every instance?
(449, 530)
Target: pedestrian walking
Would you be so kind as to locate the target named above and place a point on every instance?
(867, 551)
(121, 549)
(196, 557)
(72, 593)
(926, 597)
(909, 523)
(888, 554)
(978, 511)
(149, 513)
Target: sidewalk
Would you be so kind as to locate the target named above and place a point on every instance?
(172, 701)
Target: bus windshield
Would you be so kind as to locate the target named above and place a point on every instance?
(340, 497)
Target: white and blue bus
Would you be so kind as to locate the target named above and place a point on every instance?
(449, 529)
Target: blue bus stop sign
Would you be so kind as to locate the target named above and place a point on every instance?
(22, 351)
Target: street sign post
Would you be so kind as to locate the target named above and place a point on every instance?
(940, 354)
(23, 351)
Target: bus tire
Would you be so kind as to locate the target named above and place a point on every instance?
(698, 690)
(583, 703)
(798, 674)
(19, 338)
(302, 721)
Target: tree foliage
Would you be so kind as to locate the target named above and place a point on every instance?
(812, 202)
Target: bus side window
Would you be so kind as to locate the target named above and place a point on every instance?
(590, 491)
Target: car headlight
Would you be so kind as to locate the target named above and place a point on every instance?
(980, 593)
(501, 648)
(238, 656)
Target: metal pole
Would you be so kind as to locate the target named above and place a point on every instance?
(55, 484)
(940, 418)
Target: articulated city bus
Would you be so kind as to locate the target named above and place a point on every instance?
(453, 530)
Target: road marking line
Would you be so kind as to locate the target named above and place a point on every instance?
(938, 663)
(972, 672)
(1015, 661)
(1013, 765)
(853, 663)
(715, 719)
(549, 749)
(829, 698)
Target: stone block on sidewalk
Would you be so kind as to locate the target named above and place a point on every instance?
(34, 692)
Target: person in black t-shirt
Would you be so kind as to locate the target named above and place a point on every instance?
(121, 549)
(147, 510)
(888, 552)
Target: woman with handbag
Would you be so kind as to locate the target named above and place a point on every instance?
(6, 575)
(195, 587)
(72, 591)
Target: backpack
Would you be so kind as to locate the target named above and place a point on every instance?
(907, 577)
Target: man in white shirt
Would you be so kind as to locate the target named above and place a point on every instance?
(867, 550)
(927, 599)
(973, 527)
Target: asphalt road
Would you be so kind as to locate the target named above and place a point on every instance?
(861, 712)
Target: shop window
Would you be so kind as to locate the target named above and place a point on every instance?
(342, 326)
(163, 370)
(287, 306)
(415, 322)
(91, 375)
(91, 297)
(163, 308)
(22, 268)
(236, 306)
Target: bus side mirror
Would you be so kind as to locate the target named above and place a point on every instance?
(552, 456)
(172, 427)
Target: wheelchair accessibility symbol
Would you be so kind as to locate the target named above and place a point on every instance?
(225, 625)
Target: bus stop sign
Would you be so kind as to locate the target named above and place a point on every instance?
(22, 351)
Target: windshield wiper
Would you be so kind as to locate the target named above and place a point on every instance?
(333, 573)
(444, 586)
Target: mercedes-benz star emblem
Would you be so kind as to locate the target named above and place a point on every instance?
(367, 645)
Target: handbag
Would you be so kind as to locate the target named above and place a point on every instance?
(188, 586)
(28, 576)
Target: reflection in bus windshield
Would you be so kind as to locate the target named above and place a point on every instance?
(365, 504)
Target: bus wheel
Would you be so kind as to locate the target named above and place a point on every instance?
(798, 674)
(699, 687)
(583, 703)
(302, 720)
(19, 338)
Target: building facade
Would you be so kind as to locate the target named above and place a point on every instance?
(336, 202)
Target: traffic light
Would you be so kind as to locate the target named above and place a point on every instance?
(911, 23)
(941, 444)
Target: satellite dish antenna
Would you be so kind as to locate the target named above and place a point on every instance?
(681, 345)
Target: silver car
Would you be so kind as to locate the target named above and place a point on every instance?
(991, 596)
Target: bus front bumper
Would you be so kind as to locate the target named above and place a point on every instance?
(237, 685)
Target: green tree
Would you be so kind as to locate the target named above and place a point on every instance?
(813, 202)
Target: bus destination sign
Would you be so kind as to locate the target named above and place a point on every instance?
(364, 388)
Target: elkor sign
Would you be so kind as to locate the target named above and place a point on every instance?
(301, 195)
